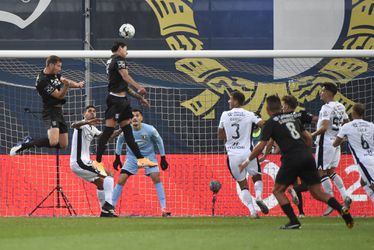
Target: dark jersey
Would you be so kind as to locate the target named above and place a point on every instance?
(45, 85)
(304, 117)
(286, 131)
(116, 82)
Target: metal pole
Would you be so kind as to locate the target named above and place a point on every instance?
(58, 186)
(87, 42)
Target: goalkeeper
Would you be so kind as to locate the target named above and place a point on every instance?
(146, 136)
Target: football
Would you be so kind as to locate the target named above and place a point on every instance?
(127, 31)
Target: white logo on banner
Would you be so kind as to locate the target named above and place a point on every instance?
(16, 20)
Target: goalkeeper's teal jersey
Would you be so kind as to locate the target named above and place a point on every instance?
(146, 138)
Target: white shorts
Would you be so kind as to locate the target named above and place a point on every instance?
(84, 171)
(366, 169)
(327, 157)
(233, 162)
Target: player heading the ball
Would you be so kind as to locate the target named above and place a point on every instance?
(118, 107)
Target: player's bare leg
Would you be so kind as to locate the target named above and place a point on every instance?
(318, 194)
(63, 140)
(160, 193)
(259, 186)
(54, 140)
(279, 192)
(246, 198)
(53, 136)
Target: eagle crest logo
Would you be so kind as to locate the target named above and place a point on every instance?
(178, 27)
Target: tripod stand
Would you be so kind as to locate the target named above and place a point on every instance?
(57, 188)
(59, 191)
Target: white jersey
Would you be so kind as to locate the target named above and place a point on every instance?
(80, 146)
(238, 124)
(334, 112)
(360, 135)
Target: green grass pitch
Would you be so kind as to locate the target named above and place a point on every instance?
(183, 233)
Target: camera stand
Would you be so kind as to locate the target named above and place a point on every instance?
(58, 190)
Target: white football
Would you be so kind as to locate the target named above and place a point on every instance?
(127, 31)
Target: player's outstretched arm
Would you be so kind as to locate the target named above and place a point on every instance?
(341, 136)
(338, 141)
(261, 123)
(144, 102)
(268, 149)
(307, 138)
(115, 134)
(79, 124)
(221, 134)
(126, 76)
(72, 84)
(60, 94)
(324, 126)
(255, 152)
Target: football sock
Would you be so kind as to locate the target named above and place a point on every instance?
(300, 206)
(332, 202)
(101, 197)
(130, 141)
(369, 192)
(300, 188)
(101, 145)
(339, 184)
(161, 194)
(259, 187)
(116, 194)
(287, 209)
(108, 189)
(246, 198)
(327, 185)
(42, 142)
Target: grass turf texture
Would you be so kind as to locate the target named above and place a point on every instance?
(183, 233)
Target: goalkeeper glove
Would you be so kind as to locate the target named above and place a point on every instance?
(164, 164)
(117, 162)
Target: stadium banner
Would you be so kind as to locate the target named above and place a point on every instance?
(186, 185)
(187, 95)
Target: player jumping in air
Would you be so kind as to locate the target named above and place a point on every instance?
(146, 136)
(118, 107)
(331, 117)
(52, 88)
(235, 127)
(297, 161)
(81, 164)
(360, 137)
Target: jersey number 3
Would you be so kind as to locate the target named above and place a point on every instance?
(237, 136)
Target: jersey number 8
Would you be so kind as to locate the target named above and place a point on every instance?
(294, 133)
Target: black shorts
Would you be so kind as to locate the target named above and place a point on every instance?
(53, 118)
(303, 166)
(118, 108)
